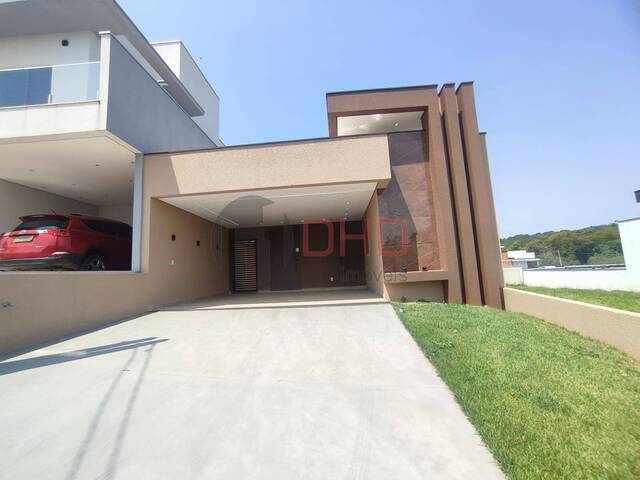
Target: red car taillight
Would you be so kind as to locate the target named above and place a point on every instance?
(59, 233)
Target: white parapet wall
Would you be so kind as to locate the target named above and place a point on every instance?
(630, 238)
(606, 279)
(513, 276)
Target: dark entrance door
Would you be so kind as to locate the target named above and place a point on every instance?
(285, 250)
(245, 266)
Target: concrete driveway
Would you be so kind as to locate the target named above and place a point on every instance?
(329, 391)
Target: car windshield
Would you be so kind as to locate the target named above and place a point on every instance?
(42, 223)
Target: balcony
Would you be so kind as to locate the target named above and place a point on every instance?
(47, 85)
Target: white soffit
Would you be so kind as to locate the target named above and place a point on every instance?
(379, 123)
(95, 170)
(283, 206)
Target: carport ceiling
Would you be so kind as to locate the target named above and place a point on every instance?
(95, 170)
(283, 206)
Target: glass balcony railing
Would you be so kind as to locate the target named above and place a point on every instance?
(77, 82)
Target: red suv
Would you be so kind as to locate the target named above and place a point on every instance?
(70, 242)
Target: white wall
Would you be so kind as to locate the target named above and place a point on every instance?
(69, 84)
(44, 50)
(512, 276)
(142, 114)
(184, 66)
(122, 213)
(16, 122)
(630, 237)
(16, 201)
(610, 279)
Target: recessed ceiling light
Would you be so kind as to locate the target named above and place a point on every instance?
(362, 126)
(377, 117)
(396, 124)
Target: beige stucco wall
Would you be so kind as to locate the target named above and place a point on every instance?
(181, 270)
(414, 291)
(374, 270)
(311, 162)
(617, 328)
(40, 306)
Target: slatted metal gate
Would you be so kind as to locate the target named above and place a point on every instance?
(245, 265)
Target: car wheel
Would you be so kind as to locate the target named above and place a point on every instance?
(94, 261)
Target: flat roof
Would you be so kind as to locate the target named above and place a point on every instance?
(628, 220)
(41, 17)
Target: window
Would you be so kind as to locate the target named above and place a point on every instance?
(121, 230)
(25, 87)
(42, 223)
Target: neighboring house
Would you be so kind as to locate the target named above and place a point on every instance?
(98, 120)
(604, 277)
(522, 259)
(82, 93)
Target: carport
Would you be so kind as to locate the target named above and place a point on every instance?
(290, 238)
(282, 217)
(87, 175)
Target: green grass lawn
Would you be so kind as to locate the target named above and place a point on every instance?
(615, 299)
(547, 402)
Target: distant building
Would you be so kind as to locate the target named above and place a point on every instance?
(630, 238)
(519, 259)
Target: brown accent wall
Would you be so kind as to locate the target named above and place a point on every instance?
(281, 267)
(408, 199)
(434, 179)
(460, 192)
(486, 227)
(450, 202)
(437, 163)
(347, 270)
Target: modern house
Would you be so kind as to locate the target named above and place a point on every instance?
(519, 259)
(95, 119)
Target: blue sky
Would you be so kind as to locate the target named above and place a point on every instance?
(557, 83)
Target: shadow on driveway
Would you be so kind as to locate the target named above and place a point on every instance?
(7, 368)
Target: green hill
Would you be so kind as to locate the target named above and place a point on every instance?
(586, 246)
